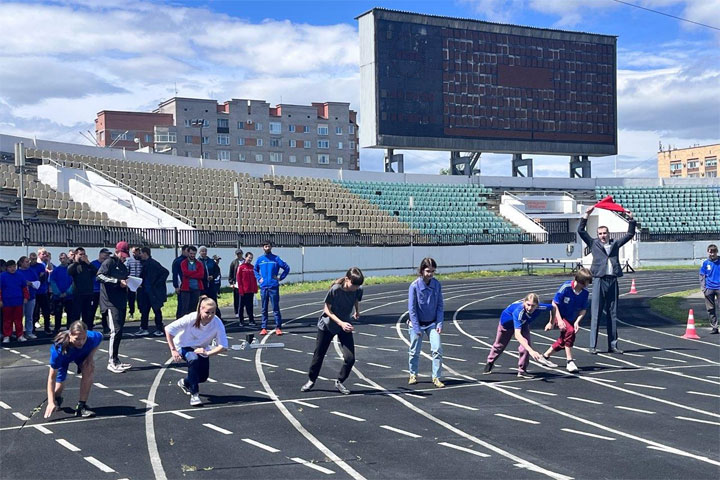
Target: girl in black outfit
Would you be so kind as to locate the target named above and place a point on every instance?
(344, 295)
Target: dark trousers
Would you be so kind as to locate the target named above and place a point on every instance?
(198, 368)
(268, 295)
(502, 339)
(84, 309)
(42, 306)
(145, 307)
(324, 338)
(246, 303)
(103, 315)
(212, 292)
(604, 303)
(188, 301)
(711, 302)
(131, 301)
(59, 305)
(236, 301)
(116, 322)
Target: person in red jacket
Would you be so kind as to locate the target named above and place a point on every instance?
(192, 281)
(247, 287)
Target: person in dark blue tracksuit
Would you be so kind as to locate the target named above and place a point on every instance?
(267, 268)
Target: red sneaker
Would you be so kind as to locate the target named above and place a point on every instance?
(263, 331)
(278, 332)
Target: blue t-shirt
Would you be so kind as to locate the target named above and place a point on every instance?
(569, 303)
(711, 272)
(58, 361)
(11, 286)
(39, 269)
(30, 276)
(515, 315)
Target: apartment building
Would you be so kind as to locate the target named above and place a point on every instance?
(697, 161)
(320, 135)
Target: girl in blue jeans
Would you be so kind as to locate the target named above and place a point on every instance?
(189, 338)
(425, 308)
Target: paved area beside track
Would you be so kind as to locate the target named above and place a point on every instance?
(653, 412)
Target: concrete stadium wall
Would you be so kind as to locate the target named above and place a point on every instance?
(653, 254)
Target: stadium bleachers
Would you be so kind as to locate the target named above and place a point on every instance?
(670, 209)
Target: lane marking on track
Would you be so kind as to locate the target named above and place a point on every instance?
(639, 410)
(657, 364)
(670, 359)
(549, 394)
(261, 392)
(602, 364)
(345, 415)
(377, 365)
(445, 357)
(463, 449)
(367, 334)
(99, 385)
(242, 359)
(388, 349)
(633, 354)
(364, 385)
(67, 444)
(324, 470)
(606, 380)
(138, 359)
(295, 370)
(233, 385)
(124, 393)
(451, 344)
(517, 419)
(20, 416)
(255, 443)
(304, 404)
(642, 385)
(268, 365)
(182, 415)
(704, 394)
(587, 434)
(308, 337)
(149, 403)
(578, 399)
(153, 452)
(401, 432)
(698, 420)
(97, 463)
(5, 405)
(18, 353)
(510, 387)
(23, 355)
(37, 361)
(217, 429)
(211, 380)
(44, 430)
(457, 405)
(293, 350)
(178, 370)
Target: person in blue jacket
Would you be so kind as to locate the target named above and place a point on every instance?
(267, 272)
(30, 276)
(61, 287)
(177, 278)
(515, 322)
(710, 285)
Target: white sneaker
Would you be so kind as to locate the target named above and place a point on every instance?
(114, 368)
(125, 366)
(30, 336)
(6, 340)
(22, 338)
(141, 333)
(571, 367)
(195, 400)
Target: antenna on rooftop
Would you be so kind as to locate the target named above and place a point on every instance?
(89, 137)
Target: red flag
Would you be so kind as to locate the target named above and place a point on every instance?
(607, 203)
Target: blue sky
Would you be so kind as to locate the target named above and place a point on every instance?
(63, 61)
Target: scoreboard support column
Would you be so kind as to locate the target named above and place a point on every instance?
(518, 162)
(579, 166)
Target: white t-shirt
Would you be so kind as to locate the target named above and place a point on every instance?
(186, 335)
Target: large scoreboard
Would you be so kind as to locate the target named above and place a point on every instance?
(442, 83)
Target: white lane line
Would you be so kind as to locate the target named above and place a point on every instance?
(368, 334)
(21, 416)
(578, 399)
(178, 370)
(657, 364)
(477, 347)
(377, 365)
(608, 365)
(155, 364)
(633, 354)
(324, 470)
(211, 380)
(293, 350)
(451, 345)
(453, 335)
(122, 356)
(67, 444)
(222, 355)
(518, 419)
(670, 359)
(510, 387)
(42, 429)
(457, 405)
(295, 370)
(149, 403)
(401, 432)
(159, 341)
(233, 385)
(94, 461)
(712, 376)
(364, 385)
(393, 338)
(445, 357)
(261, 392)
(606, 380)
(242, 359)
(356, 346)
(103, 350)
(124, 393)
(639, 410)
(698, 421)
(37, 361)
(415, 395)
(260, 445)
(268, 365)
(543, 393)
(23, 355)
(578, 432)
(304, 404)
(217, 429)
(704, 394)
(5, 405)
(14, 351)
(388, 349)
(182, 415)
(463, 449)
(345, 415)
(308, 337)
(99, 385)
(138, 359)
(642, 385)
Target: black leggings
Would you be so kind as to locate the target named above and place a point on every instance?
(324, 338)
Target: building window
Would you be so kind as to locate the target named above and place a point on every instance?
(275, 157)
(322, 130)
(187, 122)
(292, 159)
(338, 131)
(711, 161)
(307, 144)
(258, 157)
(351, 146)
(188, 139)
(339, 160)
(351, 129)
(241, 141)
(323, 159)
(675, 167)
(308, 159)
(223, 123)
(258, 126)
(306, 129)
(223, 155)
(148, 138)
(223, 139)
(206, 155)
(275, 128)
(323, 143)
(121, 136)
(275, 142)
(711, 174)
(693, 163)
(241, 157)
(241, 125)
(206, 140)
(291, 128)
(166, 137)
(259, 142)
(340, 145)
(292, 143)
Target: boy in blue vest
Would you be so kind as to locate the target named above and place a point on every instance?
(710, 285)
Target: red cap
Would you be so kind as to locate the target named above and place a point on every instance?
(122, 249)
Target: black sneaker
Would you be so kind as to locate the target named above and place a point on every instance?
(488, 368)
(714, 331)
(341, 388)
(83, 411)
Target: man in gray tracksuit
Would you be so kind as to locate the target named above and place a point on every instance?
(605, 270)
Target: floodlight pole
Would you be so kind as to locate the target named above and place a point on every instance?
(20, 167)
(411, 204)
(236, 190)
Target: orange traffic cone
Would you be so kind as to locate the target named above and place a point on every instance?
(632, 288)
(690, 330)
